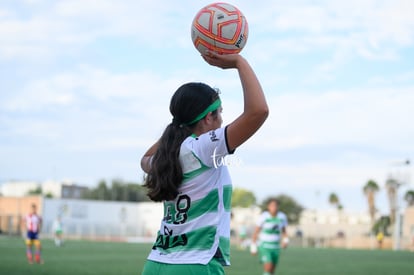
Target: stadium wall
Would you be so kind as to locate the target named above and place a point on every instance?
(13, 209)
(84, 219)
(128, 221)
(102, 219)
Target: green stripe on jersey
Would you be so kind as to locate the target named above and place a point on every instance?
(224, 245)
(208, 204)
(227, 191)
(199, 239)
(190, 175)
(271, 231)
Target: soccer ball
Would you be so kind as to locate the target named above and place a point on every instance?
(219, 27)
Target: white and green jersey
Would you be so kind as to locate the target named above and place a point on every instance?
(196, 224)
(271, 229)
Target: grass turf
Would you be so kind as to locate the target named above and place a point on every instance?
(84, 257)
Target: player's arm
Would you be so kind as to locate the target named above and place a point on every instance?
(253, 245)
(256, 234)
(146, 158)
(255, 109)
(285, 237)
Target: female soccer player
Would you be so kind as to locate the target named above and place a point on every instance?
(272, 228)
(185, 170)
(58, 230)
(33, 224)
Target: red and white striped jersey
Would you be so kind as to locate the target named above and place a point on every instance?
(33, 222)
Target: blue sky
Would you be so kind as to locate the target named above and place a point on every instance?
(85, 87)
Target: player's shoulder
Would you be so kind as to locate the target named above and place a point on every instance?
(281, 214)
(211, 136)
(262, 218)
(205, 144)
(282, 217)
(265, 215)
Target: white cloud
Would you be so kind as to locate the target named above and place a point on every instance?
(64, 27)
(372, 116)
(368, 29)
(56, 28)
(398, 79)
(68, 88)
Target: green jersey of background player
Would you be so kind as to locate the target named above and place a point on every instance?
(271, 235)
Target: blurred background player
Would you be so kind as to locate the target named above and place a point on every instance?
(242, 241)
(58, 231)
(33, 224)
(380, 238)
(272, 235)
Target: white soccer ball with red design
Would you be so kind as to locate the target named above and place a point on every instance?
(219, 27)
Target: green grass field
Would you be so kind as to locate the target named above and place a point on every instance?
(84, 257)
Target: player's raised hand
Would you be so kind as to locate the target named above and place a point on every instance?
(224, 61)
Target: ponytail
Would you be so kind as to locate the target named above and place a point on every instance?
(166, 174)
(189, 104)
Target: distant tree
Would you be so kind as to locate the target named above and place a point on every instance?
(39, 191)
(35, 191)
(370, 189)
(392, 187)
(102, 191)
(382, 224)
(334, 201)
(409, 197)
(242, 198)
(117, 191)
(287, 205)
(136, 192)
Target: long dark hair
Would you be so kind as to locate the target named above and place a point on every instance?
(165, 173)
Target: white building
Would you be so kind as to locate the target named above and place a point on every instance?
(312, 223)
(18, 188)
(333, 223)
(57, 189)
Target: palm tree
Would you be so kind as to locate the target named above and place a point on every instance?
(409, 197)
(370, 189)
(392, 187)
(334, 200)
